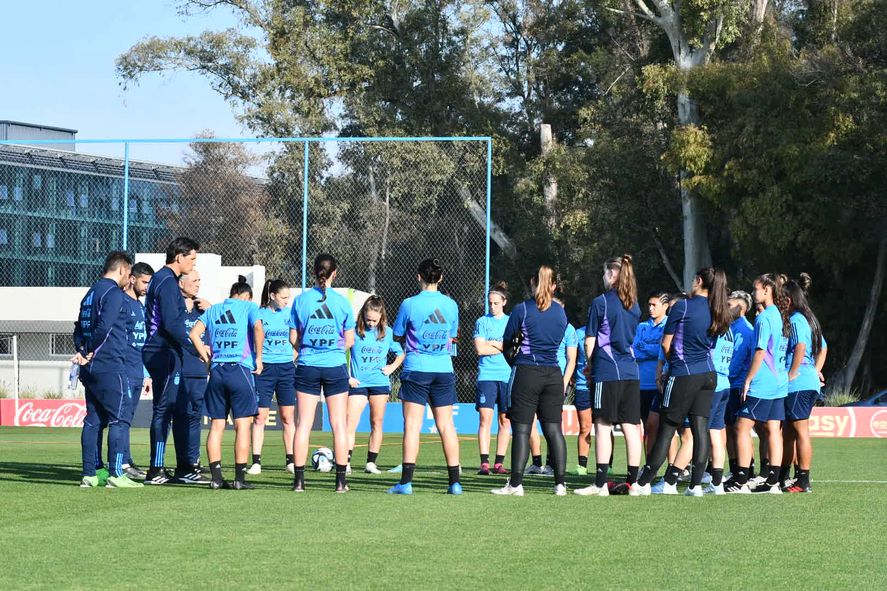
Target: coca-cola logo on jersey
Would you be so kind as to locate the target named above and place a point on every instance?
(65, 414)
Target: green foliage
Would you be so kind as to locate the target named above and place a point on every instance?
(841, 397)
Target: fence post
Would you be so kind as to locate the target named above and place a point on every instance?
(489, 223)
(305, 218)
(125, 195)
(15, 375)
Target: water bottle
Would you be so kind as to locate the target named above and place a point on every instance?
(73, 376)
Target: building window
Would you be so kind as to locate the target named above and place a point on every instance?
(4, 237)
(37, 181)
(37, 240)
(69, 197)
(61, 344)
(4, 192)
(6, 344)
(50, 240)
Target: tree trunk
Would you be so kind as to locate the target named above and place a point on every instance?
(696, 252)
(844, 378)
(549, 191)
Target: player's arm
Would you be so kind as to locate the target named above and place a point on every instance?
(571, 366)
(797, 358)
(172, 312)
(196, 337)
(756, 361)
(108, 314)
(258, 339)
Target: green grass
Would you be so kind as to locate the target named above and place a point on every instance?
(55, 535)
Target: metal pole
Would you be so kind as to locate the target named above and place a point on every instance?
(15, 376)
(305, 218)
(489, 223)
(125, 195)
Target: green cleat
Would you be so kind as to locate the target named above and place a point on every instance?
(122, 482)
(582, 470)
(89, 482)
(102, 474)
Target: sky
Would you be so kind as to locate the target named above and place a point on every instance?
(57, 68)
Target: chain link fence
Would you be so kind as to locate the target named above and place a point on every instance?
(380, 205)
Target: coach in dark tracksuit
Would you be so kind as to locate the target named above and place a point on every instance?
(101, 344)
(162, 354)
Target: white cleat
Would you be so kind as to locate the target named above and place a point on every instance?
(533, 470)
(560, 490)
(637, 490)
(693, 491)
(509, 491)
(254, 469)
(664, 488)
(547, 470)
(706, 478)
(291, 468)
(756, 481)
(593, 491)
(371, 468)
(711, 489)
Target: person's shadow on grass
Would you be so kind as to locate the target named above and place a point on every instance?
(60, 474)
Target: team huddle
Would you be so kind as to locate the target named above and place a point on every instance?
(688, 385)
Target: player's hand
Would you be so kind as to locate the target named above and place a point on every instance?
(354, 383)
(79, 359)
(388, 370)
(821, 379)
(147, 387)
(587, 372)
(793, 375)
(202, 304)
(745, 391)
(258, 370)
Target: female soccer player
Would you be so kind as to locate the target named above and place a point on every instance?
(806, 356)
(493, 375)
(234, 331)
(278, 375)
(322, 330)
(429, 325)
(766, 385)
(740, 303)
(532, 336)
(582, 403)
(687, 342)
(646, 347)
(612, 322)
(370, 375)
(721, 354)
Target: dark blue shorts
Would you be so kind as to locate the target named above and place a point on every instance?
(582, 399)
(370, 391)
(424, 387)
(490, 394)
(647, 398)
(734, 403)
(799, 405)
(279, 378)
(231, 390)
(329, 380)
(718, 409)
(655, 403)
(762, 409)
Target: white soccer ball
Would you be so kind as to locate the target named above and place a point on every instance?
(322, 459)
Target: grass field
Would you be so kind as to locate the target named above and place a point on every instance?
(58, 536)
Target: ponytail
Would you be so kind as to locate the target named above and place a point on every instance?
(626, 286)
(797, 294)
(544, 288)
(715, 282)
(241, 287)
(777, 282)
(271, 286)
(324, 267)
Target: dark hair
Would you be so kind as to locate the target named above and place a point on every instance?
(776, 282)
(431, 271)
(543, 287)
(678, 296)
(241, 287)
(114, 260)
(715, 281)
(500, 288)
(272, 286)
(797, 293)
(373, 303)
(179, 246)
(140, 269)
(626, 287)
(662, 296)
(324, 266)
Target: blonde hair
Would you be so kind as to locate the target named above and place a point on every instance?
(626, 286)
(544, 292)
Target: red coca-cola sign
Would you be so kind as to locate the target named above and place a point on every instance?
(42, 413)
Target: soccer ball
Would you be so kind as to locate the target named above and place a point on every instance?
(322, 459)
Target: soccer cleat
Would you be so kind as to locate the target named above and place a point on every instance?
(560, 490)
(158, 476)
(122, 482)
(396, 470)
(299, 487)
(582, 470)
(102, 474)
(89, 482)
(664, 488)
(342, 489)
(454, 489)
(484, 470)
(620, 488)
(509, 491)
(711, 489)
(593, 491)
(371, 468)
(134, 473)
(192, 476)
(533, 470)
(638, 490)
(216, 484)
(499, 469)
(772, 489)
(239, 485)
(798, 489)
(547, 470)
(736, 488)
(401, 489)
(255, 469)
(291, 468)
(789, 482)
(693, 491)
(756, 481)
(200, 468)
(685, 476)
(706, 478)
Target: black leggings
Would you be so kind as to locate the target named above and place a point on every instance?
(520, 450)
(701, 448)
